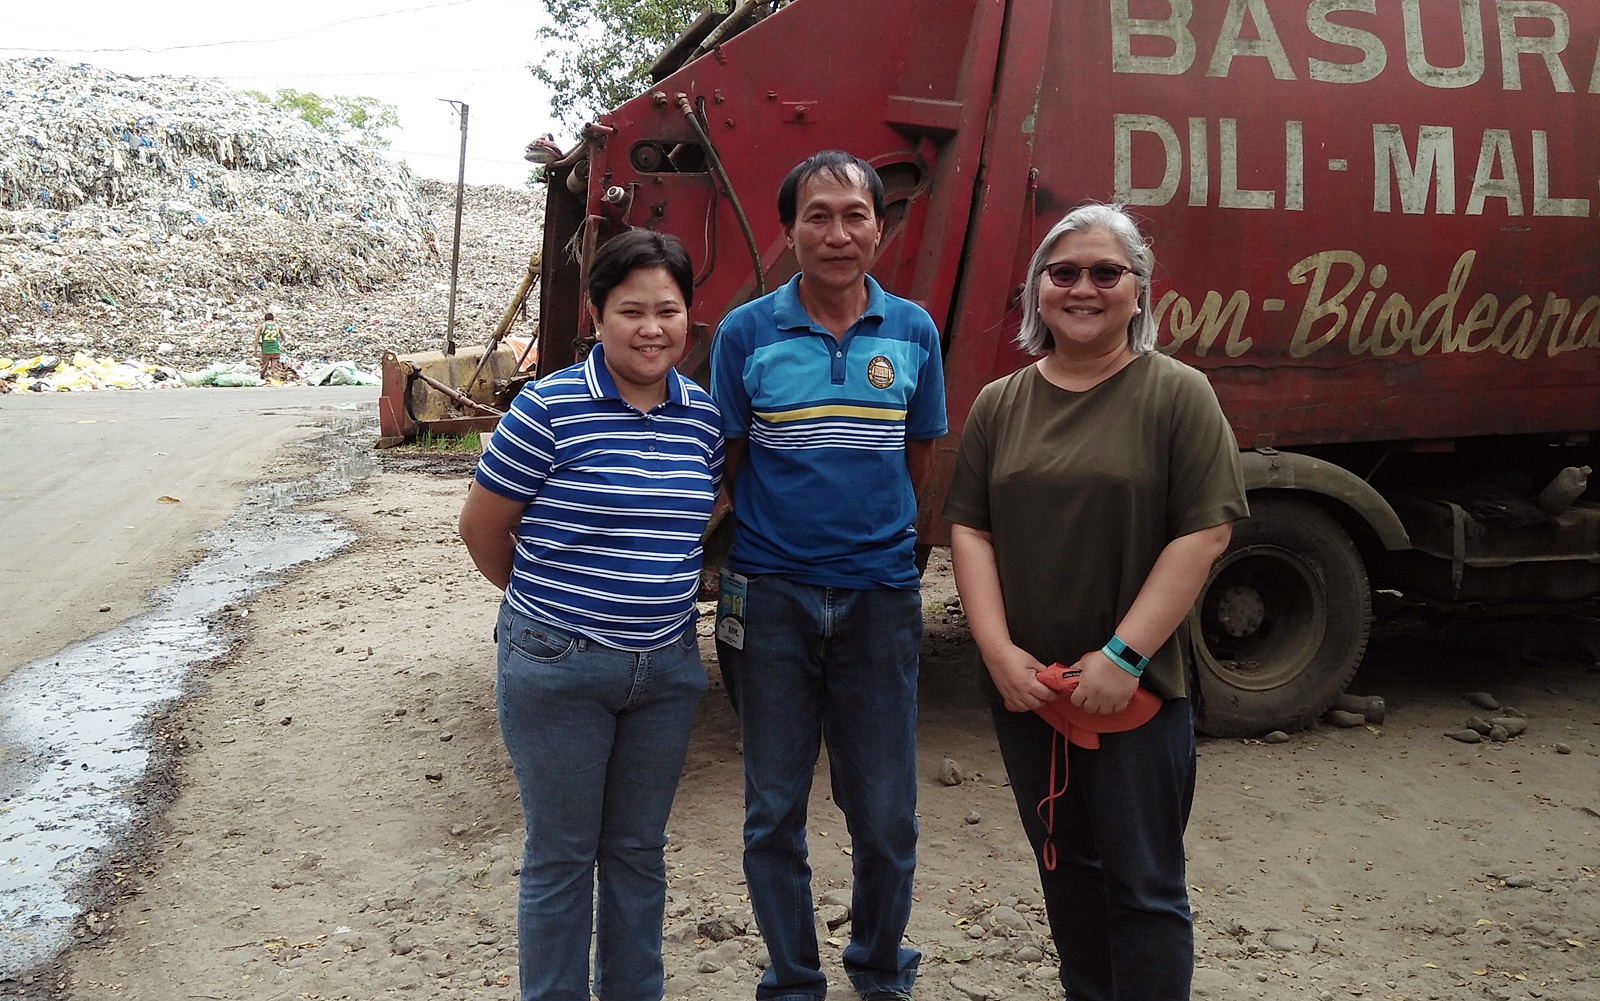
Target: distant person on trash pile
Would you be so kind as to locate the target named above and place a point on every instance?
(269, 339)
(587, 510)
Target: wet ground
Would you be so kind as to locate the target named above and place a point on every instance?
(81, 726)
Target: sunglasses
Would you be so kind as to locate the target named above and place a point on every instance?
(1102, 275)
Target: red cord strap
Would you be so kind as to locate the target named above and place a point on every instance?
(1083, 728)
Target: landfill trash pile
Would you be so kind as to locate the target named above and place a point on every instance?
(154, 219)
(48, 373)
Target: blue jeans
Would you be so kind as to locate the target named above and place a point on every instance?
(836, 664)
(1117, 900)
(597, 740)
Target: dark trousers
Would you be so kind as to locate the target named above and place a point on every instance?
(1116, 897)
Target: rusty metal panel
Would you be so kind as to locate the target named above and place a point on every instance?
(1368, 226)
(908, 94)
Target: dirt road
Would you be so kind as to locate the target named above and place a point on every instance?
(87, 533)
(345, 823)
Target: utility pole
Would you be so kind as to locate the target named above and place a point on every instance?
(455, 245)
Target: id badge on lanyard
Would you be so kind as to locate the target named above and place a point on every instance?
(731, 607)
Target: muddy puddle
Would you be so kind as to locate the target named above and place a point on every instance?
(78, 731)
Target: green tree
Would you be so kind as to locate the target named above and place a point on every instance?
(362, 119)
(601, 50)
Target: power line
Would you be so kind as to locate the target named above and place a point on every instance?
(253, 41)
(318, 76)
(418, 152)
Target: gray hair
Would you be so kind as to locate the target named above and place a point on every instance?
(1034, 337)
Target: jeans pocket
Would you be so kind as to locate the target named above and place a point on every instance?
(543, 644)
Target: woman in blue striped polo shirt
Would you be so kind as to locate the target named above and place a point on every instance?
(587, 509)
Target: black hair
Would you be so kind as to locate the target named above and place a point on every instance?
(842, 167)
(632, 251)
(269, 314)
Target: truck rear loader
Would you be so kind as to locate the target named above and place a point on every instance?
(1377, 228)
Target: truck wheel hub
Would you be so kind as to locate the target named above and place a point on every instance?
(1240, 610)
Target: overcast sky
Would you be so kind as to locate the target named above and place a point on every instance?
(408, 53)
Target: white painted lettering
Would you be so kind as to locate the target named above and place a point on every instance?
(1206, 323)
(1543, 204)
(1506, 340)
(1435, 162)
(1294, 166)
(1590, 310)
(1513, 45)
(1373, 55)
(1486, 184)
(1199, 163)
(1555, 310)
(1319, 305)
(1359, 342)
(1395, 318)
(1232, 196)
(1453, 77)
(1267, 46)
(1515, 330)
(1124, 126)
(1174, 28)
(1480, 317)
(1443, 306)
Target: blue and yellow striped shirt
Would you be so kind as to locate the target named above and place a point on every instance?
(823, 496)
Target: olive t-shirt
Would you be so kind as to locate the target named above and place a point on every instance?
(1082, 491)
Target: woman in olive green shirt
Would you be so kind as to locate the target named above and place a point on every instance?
(1092, 493)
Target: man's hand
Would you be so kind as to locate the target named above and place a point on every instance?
(1015, 674)
(1103, 687)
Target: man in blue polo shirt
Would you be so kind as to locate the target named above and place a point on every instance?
(832, 394)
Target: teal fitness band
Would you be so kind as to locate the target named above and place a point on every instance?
(1125, 657)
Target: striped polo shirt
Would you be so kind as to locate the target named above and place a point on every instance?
(609, 544)
(823, 496)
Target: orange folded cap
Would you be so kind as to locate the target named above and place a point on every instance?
(1080, 726)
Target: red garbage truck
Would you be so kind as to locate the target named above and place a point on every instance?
(1376, 226)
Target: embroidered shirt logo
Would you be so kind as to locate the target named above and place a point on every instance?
(880, 372)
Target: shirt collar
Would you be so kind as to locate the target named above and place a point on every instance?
(602, 386)
(789, 314)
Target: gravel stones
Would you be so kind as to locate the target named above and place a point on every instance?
(1344, 718)
(1514, 726)
(949, 773)
(1483, 700)
(1371, 708)
(972, 989)
(1498, 729)
(722, 927)
(1350, 711)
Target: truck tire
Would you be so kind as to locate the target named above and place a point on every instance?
(1282, 622)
